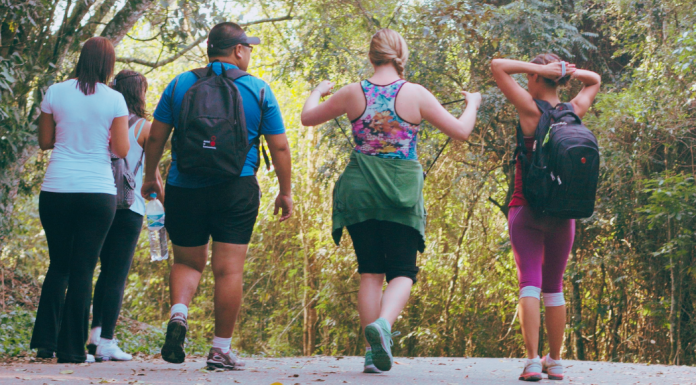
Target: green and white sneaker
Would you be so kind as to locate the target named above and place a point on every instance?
(379, 336)
(369, 365)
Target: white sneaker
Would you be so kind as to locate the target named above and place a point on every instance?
(554, 368)
(89, 359)
(109, 351)
(532, 370)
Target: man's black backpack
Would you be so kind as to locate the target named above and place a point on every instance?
(560, 176)
(211, 138)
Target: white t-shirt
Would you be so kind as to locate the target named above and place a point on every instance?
(81, 160)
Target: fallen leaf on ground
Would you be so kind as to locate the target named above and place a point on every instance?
(67, 371)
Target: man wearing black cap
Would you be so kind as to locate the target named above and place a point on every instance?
(198, 207)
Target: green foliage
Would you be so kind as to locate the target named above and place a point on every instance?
(15, 331)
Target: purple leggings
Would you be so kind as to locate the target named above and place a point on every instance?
(541, 246)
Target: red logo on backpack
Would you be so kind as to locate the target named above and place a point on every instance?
(210, 143)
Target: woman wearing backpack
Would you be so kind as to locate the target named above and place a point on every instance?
(117, 254)
(379, 196)
(541, 244)
(83, 121)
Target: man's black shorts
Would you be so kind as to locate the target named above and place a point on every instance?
(225, 211)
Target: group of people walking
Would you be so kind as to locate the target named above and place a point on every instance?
(218, 115)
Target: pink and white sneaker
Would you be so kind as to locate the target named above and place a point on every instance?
(554, 368)
(532, 370)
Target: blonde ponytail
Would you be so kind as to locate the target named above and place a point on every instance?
(389, 47)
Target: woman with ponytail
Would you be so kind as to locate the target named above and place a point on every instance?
(379, 197)
(541, 244)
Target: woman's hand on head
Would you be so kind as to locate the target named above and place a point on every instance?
(554, 71)
(324, 88)
(472, 98)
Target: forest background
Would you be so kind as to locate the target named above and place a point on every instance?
(631, 279)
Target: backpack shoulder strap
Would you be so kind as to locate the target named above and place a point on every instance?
(202, 72)
(236, 73)
(140, 129)
(137, 135)
(257, 141)
(132, 119)
(543, 105)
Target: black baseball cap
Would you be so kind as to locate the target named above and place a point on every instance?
(232, 41)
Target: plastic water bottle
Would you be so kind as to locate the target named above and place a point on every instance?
(155, 228)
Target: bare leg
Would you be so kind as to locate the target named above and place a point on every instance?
(369, 298)
(228, 270)
(555, 327)
(530, 319)
(395, 297)
(188, 266)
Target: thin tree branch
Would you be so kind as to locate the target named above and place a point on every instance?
(183, 51)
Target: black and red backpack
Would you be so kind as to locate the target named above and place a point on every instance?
(560, 175)
(211, 138)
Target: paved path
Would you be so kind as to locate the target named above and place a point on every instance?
(337, 370)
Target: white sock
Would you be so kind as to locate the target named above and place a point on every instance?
(95, 334)
(222, 343)
(179, 308)
(104, 341)
(534, 360)
(551, 360)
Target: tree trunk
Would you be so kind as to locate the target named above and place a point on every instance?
(577, 301)
(125, 19)
(309, 332)
(595, 334)
(615, 333)
(674, 338)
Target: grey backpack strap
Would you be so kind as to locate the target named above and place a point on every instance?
(140, 160)
(132, 119)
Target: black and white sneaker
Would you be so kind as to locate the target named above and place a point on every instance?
(173, 349)
(228, 361)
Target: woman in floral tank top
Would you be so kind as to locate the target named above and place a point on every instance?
(379, 196)
(380, 131)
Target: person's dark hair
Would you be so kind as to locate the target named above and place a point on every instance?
(220, 32)
(132, 85)
(546, 58)
(96, 64)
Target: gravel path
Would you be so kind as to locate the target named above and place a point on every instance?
(337, 370)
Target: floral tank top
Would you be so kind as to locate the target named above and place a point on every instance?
(380, 131)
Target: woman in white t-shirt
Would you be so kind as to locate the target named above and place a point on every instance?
(117, 254)
(82, 120)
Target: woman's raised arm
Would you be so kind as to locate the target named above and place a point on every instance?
(518, 96)
(314, 113)
(459, 129)
(582, 101)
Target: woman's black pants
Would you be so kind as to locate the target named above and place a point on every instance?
(116, 257)
(76, 225)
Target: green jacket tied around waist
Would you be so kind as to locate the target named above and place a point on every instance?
(381, 189)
